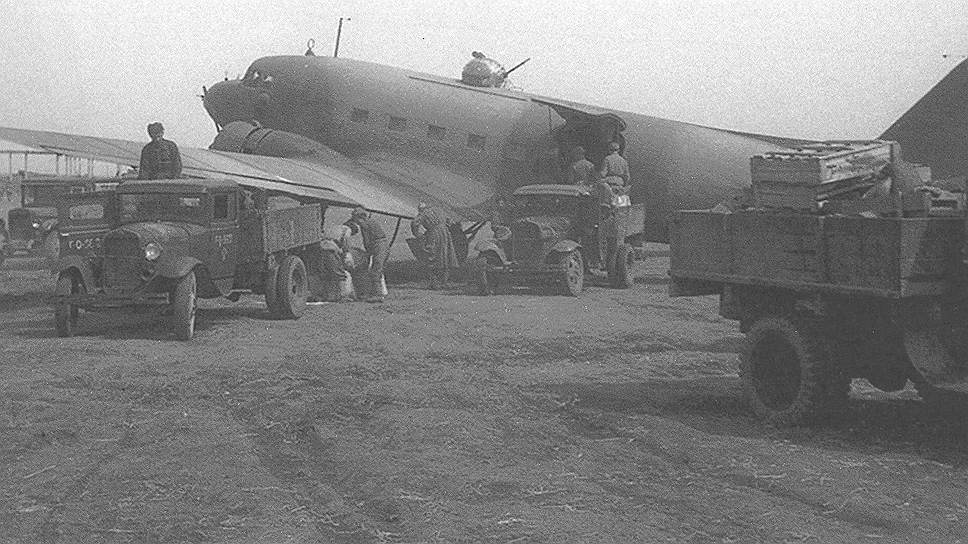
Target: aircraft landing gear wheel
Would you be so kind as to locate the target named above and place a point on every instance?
(66, 314)
(624, 261)
(571, 278)
(292, 289)
(786, 374)
(184, 301)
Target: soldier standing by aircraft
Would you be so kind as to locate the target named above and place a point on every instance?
(160, 158)
(581, 171)
(615, 170)
(437, 242)
(377, 250)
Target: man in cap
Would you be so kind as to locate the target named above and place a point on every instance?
(160, 158)
(377, 250)
(581, 171)
(615, 170)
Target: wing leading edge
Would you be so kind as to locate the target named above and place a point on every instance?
(304, 177)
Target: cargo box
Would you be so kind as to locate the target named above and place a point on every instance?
(795, 179)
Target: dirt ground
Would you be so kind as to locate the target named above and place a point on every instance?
(442, 417)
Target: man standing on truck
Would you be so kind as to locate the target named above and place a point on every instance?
(377, 250)
(615, 170)
(581, 171)
(160, 158)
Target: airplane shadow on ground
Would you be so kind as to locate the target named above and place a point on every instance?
(716, 405)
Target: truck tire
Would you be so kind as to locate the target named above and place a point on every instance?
(65, 314)
(571, 278)
(786, 374)
(184, 301)
(270, 288)
(624, 261)
(291, 288)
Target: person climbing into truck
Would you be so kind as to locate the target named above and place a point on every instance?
(615, 170)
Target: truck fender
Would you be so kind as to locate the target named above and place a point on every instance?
(484, 247)
(565, 246)
(176, 268)
(75, 264)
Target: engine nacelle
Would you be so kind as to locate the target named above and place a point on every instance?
(245, 137)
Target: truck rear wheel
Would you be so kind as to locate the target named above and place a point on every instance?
(292, 289)
(184, 301)
(66, 314)
(624, 261)
(785, 371)
(571, 279)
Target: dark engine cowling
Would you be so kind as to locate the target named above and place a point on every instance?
(244, 137)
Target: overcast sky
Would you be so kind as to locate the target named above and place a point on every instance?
(808, 68)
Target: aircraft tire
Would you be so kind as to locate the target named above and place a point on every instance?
(66, 315)
(184, 301)
(571, 279)
(787, 378)
(292, 289)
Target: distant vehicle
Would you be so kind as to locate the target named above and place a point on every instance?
(30, 226)
(840, 271)
(178, 240)
(550, 237)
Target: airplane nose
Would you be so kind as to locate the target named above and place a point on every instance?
(228, 101)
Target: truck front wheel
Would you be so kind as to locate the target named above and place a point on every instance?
(184, 301)
(571, 278)
(785, 371)
(66, 314)
(292, 289)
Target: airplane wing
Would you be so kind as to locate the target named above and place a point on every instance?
(380, 184)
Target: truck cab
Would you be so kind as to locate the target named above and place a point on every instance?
(550, 232)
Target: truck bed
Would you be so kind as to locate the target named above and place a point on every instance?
(884, 257)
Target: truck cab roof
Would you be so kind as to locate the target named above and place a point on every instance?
(184, 185)
(552, 189)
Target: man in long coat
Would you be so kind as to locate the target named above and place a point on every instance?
(437, 242)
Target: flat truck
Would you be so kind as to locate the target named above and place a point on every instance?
(872, 285)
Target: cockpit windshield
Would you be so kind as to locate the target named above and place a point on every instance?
(256, 77)
(192, 208)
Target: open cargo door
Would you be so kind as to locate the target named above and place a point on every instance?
(590, 127)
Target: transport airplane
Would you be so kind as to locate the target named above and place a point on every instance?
(349, 133)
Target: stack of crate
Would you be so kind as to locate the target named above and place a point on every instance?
(802, 178)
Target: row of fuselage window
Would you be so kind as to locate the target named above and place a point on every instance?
(434, 132)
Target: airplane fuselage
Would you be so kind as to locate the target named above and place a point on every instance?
(436, 130)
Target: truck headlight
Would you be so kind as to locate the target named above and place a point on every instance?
(152, 251)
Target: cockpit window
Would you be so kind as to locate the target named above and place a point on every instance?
(255, 77)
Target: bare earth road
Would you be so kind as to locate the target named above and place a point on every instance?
(442, 417)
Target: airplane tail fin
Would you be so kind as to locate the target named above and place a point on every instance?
(934, 132)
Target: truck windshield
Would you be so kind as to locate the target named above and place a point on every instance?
(164, 207)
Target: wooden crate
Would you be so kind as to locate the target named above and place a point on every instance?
(794, 178)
